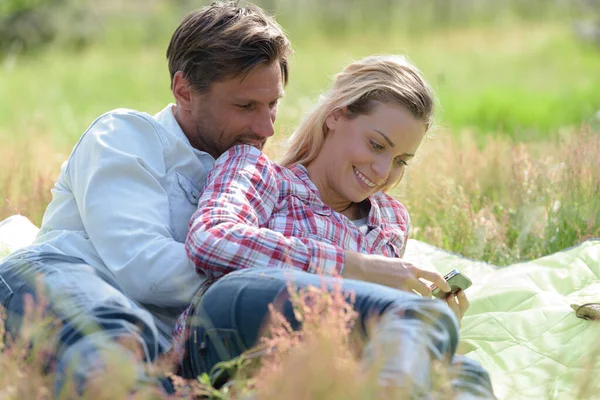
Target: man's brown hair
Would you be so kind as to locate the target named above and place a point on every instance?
(225, 40)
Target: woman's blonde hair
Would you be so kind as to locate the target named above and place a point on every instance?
(356, 90)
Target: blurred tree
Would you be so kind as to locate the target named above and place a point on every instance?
(28, 24)
(588, 28)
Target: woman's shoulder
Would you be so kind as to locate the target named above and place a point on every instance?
(391, 210)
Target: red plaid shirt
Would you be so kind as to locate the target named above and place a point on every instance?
(255, 213)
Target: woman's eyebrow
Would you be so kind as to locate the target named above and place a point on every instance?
(387, 139)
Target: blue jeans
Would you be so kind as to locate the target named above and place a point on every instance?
(230, 315)
(95, 316)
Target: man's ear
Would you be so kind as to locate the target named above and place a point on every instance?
(182, 91)
(332, 119)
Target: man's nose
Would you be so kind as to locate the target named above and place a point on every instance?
(263, 124)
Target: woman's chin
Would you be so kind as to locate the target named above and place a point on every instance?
(359, 198)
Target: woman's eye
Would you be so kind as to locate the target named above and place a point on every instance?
(401, 163)
(376, 146)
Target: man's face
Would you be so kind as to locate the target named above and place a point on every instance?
(240, 110)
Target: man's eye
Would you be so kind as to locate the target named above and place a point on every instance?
(244, 106)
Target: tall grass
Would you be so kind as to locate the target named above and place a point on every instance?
(501, 202)
(27, 172)
(505, 201)
(324, 360)
(320, 361)
(513, 173)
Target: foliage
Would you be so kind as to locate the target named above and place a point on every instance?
(505, 202)
(324, 357)
(512, 173)
(26, 25)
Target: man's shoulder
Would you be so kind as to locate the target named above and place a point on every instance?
(123, 131)
(121, 126)
(127, 111)
(130, 117)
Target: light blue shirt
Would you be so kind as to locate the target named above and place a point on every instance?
(123, 203)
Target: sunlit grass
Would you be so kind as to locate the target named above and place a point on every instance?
(523, 81)
(512, 174)
(501, 202)
(324, 360)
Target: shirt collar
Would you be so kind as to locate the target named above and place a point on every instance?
(302, 173)
(375, 218)
(167, 120)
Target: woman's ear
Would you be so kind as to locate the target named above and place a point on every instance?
(332, 119)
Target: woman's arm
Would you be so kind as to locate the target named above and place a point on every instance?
(225, 233)
(398, 227)
(240, 196)
(392, 272)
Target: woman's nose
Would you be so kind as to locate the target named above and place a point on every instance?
(381, 168)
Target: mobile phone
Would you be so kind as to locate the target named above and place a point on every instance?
(456, 280)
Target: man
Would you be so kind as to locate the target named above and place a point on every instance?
(110, 251)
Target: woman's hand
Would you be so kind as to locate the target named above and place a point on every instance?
(392, 272)
(458, 303)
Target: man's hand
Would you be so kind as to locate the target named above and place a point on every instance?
(392, 272)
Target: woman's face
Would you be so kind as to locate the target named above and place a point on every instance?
(364, 154)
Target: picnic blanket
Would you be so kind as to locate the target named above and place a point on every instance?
(15, 232)
(520, 325)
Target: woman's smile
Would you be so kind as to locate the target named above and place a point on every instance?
(363, 179)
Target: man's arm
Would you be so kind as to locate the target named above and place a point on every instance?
(116, 172)
(225, 233)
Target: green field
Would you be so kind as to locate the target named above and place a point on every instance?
(507, 92)
(522, 81)
(510, 172)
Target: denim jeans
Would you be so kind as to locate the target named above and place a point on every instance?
(229, 317)
(94, 315)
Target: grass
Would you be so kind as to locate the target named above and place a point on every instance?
(511, 173)
(506, 201)
(325, 358)
(522, 81)
(502, 90)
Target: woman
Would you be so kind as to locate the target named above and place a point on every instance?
(324, 211)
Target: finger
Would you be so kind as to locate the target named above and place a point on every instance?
(451, 301)
(463, 302)
(433, 277)
(420, 287)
